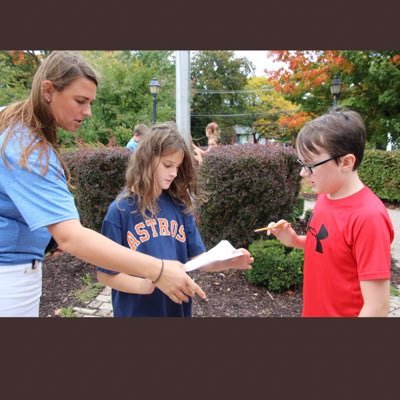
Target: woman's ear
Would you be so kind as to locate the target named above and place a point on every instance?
(47, 90)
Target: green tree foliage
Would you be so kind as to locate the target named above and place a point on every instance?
(16, 71)
(123, 97)
(217, 79)
(373, 88)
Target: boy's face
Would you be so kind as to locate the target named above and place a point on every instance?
(326, 177)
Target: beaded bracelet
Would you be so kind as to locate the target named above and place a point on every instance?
(159, 276)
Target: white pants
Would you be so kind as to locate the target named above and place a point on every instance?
(20, 290)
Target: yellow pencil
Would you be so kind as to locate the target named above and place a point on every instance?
(270, 227)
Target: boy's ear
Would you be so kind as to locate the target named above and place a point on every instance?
(348, 161)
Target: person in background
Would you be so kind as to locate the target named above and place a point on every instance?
(347, 245)
(154, 216)
(213, 141)
(35, 201)
(212, 130)
(138, 132)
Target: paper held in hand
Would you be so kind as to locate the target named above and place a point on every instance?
(222, 251)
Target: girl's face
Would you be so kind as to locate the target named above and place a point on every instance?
(72, 105)
(167, 170)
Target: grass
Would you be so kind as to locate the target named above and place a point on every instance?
(66, 312)
(90, 291)
(394, 291)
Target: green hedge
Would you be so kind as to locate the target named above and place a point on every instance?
(380, 170)
(245, 186)
(275, 266)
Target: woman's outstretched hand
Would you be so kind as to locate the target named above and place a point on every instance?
(177, 284)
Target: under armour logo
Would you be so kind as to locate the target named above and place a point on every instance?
(321, 235)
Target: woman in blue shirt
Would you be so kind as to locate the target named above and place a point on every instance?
(35, 202)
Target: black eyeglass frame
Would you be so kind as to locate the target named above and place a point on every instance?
(308, 168)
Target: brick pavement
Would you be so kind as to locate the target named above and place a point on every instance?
(100, 307)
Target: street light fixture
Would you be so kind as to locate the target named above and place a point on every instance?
(336, 87)
(154, 90)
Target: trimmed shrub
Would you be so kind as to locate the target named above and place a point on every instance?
(380, 171)
(275, 266)
(245, 187)
(98, 175)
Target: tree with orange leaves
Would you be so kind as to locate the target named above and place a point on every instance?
(370, 85)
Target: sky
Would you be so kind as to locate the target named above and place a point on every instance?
(259, 59)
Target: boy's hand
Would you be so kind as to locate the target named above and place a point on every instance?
(286, 234)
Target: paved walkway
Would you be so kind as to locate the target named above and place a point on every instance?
(101, 306)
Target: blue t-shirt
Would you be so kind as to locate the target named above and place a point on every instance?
(131, 145)
(171, 235)
(29, 201)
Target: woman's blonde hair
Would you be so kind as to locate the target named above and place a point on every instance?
(160, 140)
(60, 68)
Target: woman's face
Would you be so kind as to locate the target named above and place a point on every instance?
(72, 105)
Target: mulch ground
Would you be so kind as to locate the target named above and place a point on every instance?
(228, 293)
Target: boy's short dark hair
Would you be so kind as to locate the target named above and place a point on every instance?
(338, 132)
(140, 129)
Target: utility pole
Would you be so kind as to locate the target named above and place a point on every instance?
(183, 93)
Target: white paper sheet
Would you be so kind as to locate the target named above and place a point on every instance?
(222, 251)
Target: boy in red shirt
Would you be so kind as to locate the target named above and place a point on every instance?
(347, 245)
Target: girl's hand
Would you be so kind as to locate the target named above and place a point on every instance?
(242, 261)
(147, 286)
(177, 284)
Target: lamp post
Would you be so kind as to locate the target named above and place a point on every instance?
(336, 87)
(154, 89)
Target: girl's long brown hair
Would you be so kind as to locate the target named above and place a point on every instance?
(160, 140)
(61, 68)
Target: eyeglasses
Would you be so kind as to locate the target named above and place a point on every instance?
(308, 168)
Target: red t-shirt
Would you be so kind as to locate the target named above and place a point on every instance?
(348, 240)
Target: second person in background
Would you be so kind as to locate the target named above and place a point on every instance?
(153, 215)
(138, 132)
